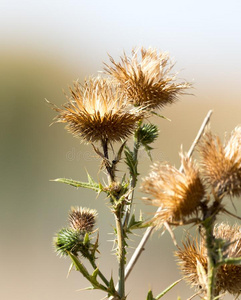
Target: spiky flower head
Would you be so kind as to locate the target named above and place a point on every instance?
(146, 78)
(178, 195)
(82, 219)
(68, 240)
(97, 111)
(221, 163)
(192, 260)
(229, 275)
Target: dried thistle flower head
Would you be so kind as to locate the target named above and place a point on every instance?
(82, 219)
(98, 112)
(178, 195)
(192, 260)
(229, 276)
(221, 164)
(147, 81)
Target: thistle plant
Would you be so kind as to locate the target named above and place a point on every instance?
(112, 113)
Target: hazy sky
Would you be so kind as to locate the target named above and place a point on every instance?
(196, 32)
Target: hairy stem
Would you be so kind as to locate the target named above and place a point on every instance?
(110, 170)
(133, 180)
(92, 262)
(211, 261)
(121, 254)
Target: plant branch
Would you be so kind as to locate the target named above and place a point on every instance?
(92, 262)
(133, 180)
(149, 230)
(121, 253)
(211, 257)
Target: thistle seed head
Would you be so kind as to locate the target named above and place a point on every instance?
(179, 195)
(146, 78)
(192, 260)
(97, 111)
(82, 219)
(221, 163)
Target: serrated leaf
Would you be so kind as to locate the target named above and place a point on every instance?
(89, 185)
(131, 163)
(133, 224)
(81, 268)
(78, 265)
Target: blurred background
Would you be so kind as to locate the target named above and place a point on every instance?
(45, 45)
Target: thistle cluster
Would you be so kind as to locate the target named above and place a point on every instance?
(196, 192)
(196, 195)
(75, 239)
(105, 112)
(193, 262)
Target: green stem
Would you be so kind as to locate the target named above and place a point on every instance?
(110, 170)
(121, 253)
(211, 261)
(99, 272)
(133, 180)
(81, 268)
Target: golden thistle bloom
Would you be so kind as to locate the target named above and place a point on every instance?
(178, 195)
(221, 164)
(192, 260)
(82, 219)
(147, 81)
(98, 112)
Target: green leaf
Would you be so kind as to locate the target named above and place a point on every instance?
(95, 273)
(91, 278)
(112, 285)
(150, 296)
(79, 266)
(86, 239)
(160, 116)
(133, 224)
(95, 247)
(91, 184)
(167, 289)
(131, 163)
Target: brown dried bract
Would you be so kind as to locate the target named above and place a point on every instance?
(98, 112)
(147, 81)
(82, 219)
(192, 260)
(178, 195)
(221, 164)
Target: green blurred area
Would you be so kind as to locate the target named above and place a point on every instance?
(34, 208)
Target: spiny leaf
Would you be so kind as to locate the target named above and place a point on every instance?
(112, 285)
(89, 185)
(133, 224)
(91, 278)
(131, 163)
